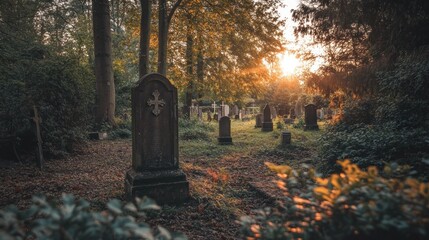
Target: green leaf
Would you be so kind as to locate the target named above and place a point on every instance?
(114, 206)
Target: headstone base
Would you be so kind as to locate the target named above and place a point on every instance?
(224, 140)
(163, 186)
(267, 126)
(311, 128)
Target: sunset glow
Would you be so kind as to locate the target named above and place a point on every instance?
(289, 64)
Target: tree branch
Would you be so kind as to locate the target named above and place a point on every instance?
(173, 9)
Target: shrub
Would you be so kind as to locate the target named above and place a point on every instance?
(355, 204)
(74, 220)
(193, 129)
(59, 86)
(300, 124)
(371, 144)
(390, 125)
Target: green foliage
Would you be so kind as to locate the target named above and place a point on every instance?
(279, 123)
(193, 129)
(370, 145)
(355, 204)
(390, 126)
(59, 86)
(300, 124)
(73, 220)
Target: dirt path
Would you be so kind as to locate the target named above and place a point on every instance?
(219, 179)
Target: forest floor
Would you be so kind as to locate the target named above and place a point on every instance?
(226, 182)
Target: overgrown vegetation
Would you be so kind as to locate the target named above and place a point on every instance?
(73, 219)
(392, 126)
(354, 204)
(193, 129)
(61, 89)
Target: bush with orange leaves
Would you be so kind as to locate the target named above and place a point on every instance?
(354, 204)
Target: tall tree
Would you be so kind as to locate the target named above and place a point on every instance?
(105, 86)
(164, 19)
(360, 36)
(146, 10)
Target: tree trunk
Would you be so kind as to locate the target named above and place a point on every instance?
(189, 70)
(162, 37)
(103, 63)
(146, 7)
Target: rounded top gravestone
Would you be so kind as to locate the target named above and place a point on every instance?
(155, 130)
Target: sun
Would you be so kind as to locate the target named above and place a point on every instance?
(288, 64)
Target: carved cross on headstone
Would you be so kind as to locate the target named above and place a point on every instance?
(156, 102)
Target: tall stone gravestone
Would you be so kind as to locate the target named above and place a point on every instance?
(155, 159)
(292, 113)
(258, 120)
(267, 122)
(236, 112)
(273, 112)
(225, 131)
(200, 114)
(311, 117)
(298, 108)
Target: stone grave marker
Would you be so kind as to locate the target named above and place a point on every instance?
(216, 117)
(258, 120)
(225, 131)
(292, 113)
(200, 114)
(298, 108)
(273, 112)
(286, 138)
(155, 168)
(267, 122)
(311, 117)
(236, 112)
(209, 116)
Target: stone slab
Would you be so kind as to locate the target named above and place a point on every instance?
(164, 186)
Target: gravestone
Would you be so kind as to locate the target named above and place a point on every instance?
(267, 122)
(236, 112)
(292, 113)
(286, 138)
(209, 116)
(225, 131)
(258, 120)
(273, 112)
(311, 117)
(299, 108)
(155, 168)
(200, 114)
(216, 117)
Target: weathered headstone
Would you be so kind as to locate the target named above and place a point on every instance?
(286, 138)
(299, 108)
(225, 131)
(311, 117)
(273, 112)
(209, 116)
(155, 160)
(216, 117)
(292, 113)
(258, 120)
(200, 114)
(267, 122)
(236, 112)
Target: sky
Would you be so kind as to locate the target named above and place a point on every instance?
(290, 63)
(285, 13)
